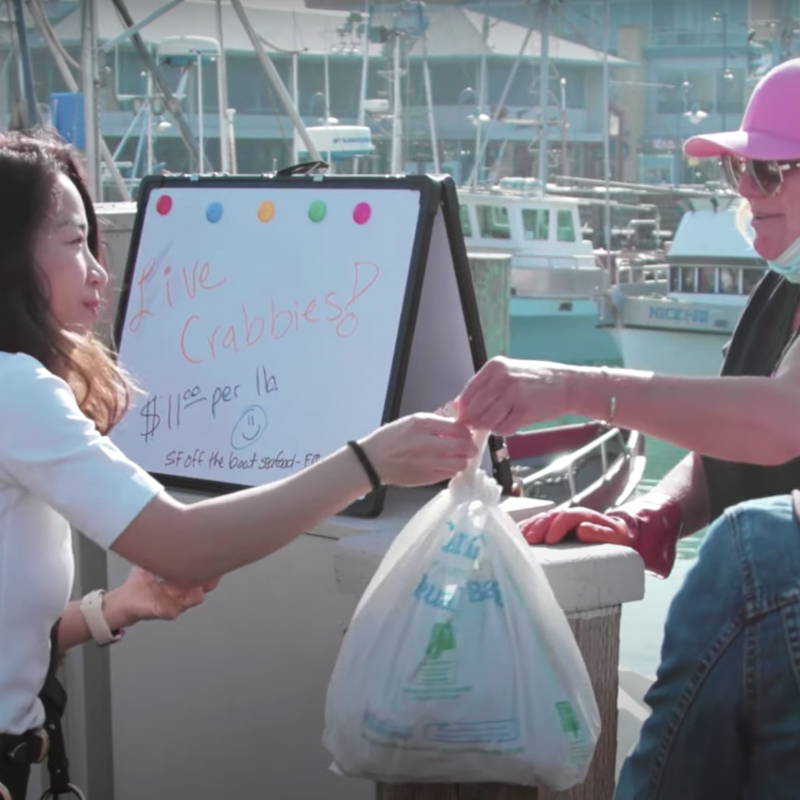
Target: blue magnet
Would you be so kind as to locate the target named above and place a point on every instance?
(214, 212)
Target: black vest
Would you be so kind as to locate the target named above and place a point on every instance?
(759, 342)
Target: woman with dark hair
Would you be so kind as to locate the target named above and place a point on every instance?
(60, 394)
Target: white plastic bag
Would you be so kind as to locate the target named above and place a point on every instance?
(458, 664)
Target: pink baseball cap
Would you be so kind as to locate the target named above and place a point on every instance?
(770, 129)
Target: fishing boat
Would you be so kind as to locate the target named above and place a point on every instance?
(680, 325)
(555, 276)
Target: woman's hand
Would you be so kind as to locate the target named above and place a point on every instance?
(589, 526)
(419, 450)
(143, 596)
(508, 394)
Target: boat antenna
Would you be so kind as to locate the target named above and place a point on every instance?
(544, 90)
(606, 133)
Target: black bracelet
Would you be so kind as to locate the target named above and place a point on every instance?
(372, 473)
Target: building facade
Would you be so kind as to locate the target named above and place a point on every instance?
(696, 64)
(676, 68)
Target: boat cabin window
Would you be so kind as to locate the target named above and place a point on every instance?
(493, 222)
(566, 226)
(536, 222)
(674, 279)
(466, 225)
(750, 277)
(713, 280)
(707, 278)
(729, 280)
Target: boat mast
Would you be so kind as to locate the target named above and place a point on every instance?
(544, 90)
(32, 111)
(149, 63)
(49, 38)
(222, 94)
(90, 80)
(479, 115)
(274, 77)
(362, 91)
(426, 71)
(606, 133)
(397, 123)
(500, 105)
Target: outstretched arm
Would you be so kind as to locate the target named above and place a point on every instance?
(743, 418)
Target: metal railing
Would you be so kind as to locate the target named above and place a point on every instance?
(567, 465)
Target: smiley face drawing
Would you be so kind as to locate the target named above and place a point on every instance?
(249, 428)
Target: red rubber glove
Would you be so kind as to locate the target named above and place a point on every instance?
(651, 525)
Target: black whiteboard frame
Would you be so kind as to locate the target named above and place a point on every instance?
(501, 466)
(436, 193)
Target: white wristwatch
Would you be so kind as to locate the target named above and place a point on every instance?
(92, 610)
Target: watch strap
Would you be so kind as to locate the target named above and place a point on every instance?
(92, 609)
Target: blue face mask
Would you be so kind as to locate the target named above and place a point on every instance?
(788, 263)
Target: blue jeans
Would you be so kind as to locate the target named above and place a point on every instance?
(725, 722)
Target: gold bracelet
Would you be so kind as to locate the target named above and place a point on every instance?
(612, 400)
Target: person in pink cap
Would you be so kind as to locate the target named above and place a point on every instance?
(725, 719)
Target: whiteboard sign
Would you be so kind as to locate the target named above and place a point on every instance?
(268, 321)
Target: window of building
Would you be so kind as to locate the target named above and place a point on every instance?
(574, 93)
(448, 80)
(730, 90)
(688, 279)
(466, 225)
(669, 99)
(130, 78)
(681, 92)
(566, 226)
(345, 86)
(663, 23)
(493, 222)
(700, 90)
(574, 88)
(246, 88)
(536, 223)
(497, 77)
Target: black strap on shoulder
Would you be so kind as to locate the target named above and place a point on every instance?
(54, 700)
(796, 505)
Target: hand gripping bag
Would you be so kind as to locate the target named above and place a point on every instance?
(459, 666)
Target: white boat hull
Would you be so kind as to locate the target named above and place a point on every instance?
(674, 335)
(671, 352)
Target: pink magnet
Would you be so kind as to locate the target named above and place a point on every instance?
(164, 204)
(361, 213)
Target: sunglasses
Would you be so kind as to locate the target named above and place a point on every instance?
(767, 175)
